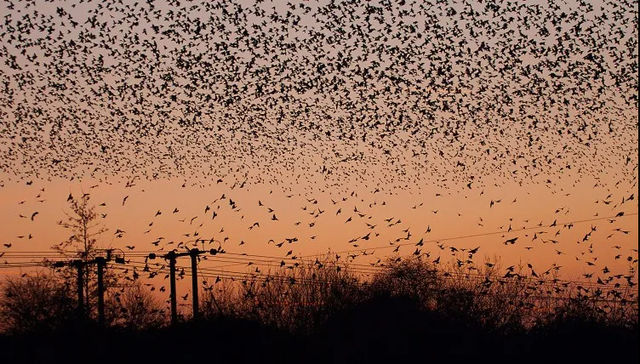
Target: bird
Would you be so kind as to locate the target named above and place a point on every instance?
(511, 241)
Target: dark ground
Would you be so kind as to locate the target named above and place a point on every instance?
(380, 330)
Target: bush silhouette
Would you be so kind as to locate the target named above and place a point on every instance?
(320, 312)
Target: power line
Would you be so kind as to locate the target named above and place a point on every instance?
(388, 270)
(44, 254)
(362, 270)
(477, 235)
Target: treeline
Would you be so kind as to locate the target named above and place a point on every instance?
(324, 312)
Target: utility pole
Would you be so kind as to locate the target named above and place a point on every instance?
(101, 263)
(172, 256)
(194, 281)
(172, 277)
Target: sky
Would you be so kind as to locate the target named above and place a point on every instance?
(289, 130)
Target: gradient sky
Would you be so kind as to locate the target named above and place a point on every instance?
(464, 124)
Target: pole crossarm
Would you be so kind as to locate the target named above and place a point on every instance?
(172, 257)
(101, 257)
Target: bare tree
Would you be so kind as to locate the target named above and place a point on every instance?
(82, 222)
(84, 226)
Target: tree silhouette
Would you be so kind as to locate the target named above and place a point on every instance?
(82, 222)
(82, 244)
(135, 308)
(35, 302)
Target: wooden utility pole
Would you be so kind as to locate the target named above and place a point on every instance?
(80, 265)
(172, 256)
(101, 263)
(194, 281)
(172, 277)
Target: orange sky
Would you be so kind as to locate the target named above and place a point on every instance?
(357, 180)
(459, 214)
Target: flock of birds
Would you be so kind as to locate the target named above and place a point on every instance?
(599, 246)
(457, 93)
(336, 96)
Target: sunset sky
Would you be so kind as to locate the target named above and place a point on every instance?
(293, 129)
